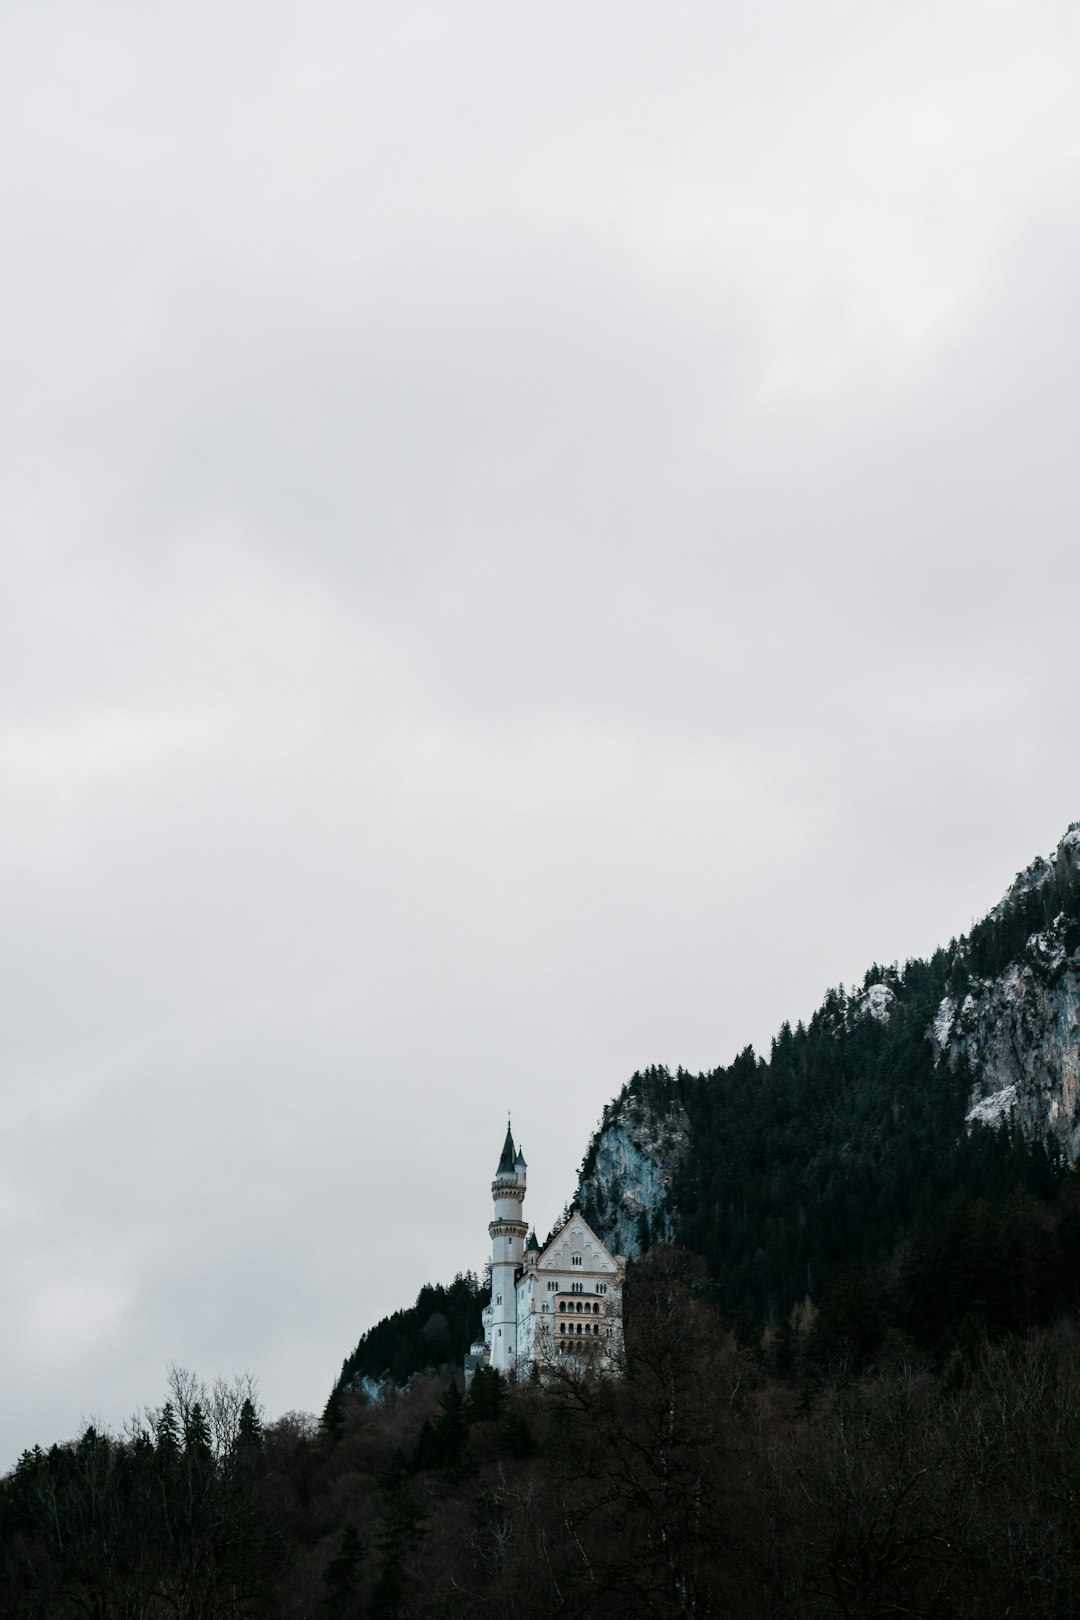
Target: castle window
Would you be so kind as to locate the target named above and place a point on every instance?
(576, 1260)
(498, 1300)
(579, 1307)
(579, 1327)
(596, 1310)
(596, 1330)
(601, 1288)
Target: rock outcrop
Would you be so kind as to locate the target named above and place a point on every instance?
(626, 1179)
(1019, 1030)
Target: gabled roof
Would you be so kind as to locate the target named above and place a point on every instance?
(578, 1219)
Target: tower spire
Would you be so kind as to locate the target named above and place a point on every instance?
(506, 1163)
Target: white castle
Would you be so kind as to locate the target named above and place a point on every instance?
(563, 1300)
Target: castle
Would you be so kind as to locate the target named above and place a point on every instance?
(560, 1301)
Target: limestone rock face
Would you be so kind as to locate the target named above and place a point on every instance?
(1020, 1032)
(626, 1180)
(1021, 1035)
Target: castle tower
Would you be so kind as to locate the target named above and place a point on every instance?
(507, 1251)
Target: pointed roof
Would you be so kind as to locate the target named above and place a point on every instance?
(531, 1242)
(574, 1215)
(506, 1163)
(521, 1157)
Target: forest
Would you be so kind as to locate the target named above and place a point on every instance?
(906, 1449)
(828, 1153)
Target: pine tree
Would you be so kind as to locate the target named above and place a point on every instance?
(401, 1520)
(249, 1435)
(484, 1401)
(197, 1447)
(340, 1575)
(167, 1434)
(452, 1431)
(332, 1423)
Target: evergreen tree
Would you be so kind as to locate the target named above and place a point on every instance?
(341, 1575)
(487, 1391)
(332, 1423)
(400, 1524)
(249, 1434)
(197, 1445)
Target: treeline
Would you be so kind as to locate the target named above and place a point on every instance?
(440, 1327)
(792, 1475)
(172, 1517)
(1002, 936)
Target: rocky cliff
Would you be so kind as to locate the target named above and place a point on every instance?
(626, 1179)
(1019, 1029)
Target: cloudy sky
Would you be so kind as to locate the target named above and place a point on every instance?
(532, 542)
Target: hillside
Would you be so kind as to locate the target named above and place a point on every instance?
(956, 1072)
(954, 1075)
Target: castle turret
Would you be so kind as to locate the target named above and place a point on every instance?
(507, 1251)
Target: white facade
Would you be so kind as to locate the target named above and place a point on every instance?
(547, 1305)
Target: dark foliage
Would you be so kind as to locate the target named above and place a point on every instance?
(698, 1481)
(435, 1332)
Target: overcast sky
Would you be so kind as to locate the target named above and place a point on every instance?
(533, 540)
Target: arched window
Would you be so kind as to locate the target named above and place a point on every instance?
(576, 1260)
(579, 1307)
(596, 1310)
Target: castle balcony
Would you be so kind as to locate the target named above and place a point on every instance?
(581, 1305)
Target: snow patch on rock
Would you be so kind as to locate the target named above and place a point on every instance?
(876, 1001)
(993, 1109)
(943, 1022)
(1041, 869)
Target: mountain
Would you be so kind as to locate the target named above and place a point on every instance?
(955, 1076)
(955, 1073)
